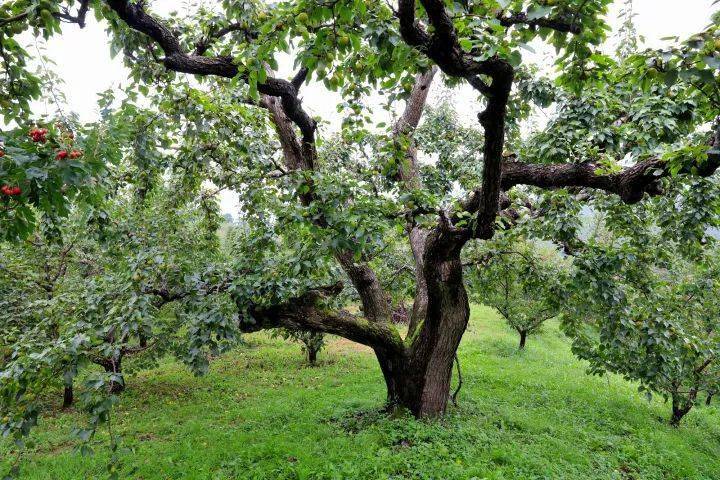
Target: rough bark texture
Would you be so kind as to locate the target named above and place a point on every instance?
(418, 237)
(308, 313)
(409, 177)
(433, 347)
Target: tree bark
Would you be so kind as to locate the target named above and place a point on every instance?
(433, 348)
(678, 412)
(680, 408)
(312, 356)
(409, 177)
(418, 237)
(68, 395)
(113, 366)
(523, 338)
(420, 384)
(421, 389)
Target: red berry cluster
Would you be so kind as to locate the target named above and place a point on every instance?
(38, 134)
(10, 191)
(63, 154)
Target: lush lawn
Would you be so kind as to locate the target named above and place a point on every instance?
(262, 414)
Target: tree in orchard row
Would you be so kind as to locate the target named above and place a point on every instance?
(522, 283)
(92, 288)
(355, 46)
(655, 322)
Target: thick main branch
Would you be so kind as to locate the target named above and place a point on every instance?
(176, 59)
(307, 313)
(631, 184)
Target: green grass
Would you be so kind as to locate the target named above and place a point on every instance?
(262, 414)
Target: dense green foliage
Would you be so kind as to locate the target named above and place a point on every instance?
(115, 257)
(522, 282)
(656, 320)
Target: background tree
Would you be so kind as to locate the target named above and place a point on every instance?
(312, 342)
(655, 325)
(520, 281)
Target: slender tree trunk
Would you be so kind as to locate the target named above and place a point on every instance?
(680, 408)
(312, 355)
(68, 396)
(523, 338)
(418, 238)
(114, 367)
(677, 414)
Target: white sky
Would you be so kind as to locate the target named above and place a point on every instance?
(83, 60)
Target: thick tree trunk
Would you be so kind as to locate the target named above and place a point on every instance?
(421, 387)
(420, 380)
(433, 349)
(523, 338)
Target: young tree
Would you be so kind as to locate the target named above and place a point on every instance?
(654, 324)
(345, 204)
(312, 342)
(521, 283)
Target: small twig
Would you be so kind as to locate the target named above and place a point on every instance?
(459, 386)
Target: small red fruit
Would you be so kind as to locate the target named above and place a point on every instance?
(2, 153)
(61, 155)
(38, 134)
(10, 191)
(75, 154)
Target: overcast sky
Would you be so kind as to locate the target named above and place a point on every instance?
(82, 57)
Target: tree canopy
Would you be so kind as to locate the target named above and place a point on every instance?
(124, 209)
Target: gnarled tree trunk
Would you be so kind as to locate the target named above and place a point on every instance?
(425, 385)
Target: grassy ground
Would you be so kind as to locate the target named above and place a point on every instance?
(262, 414)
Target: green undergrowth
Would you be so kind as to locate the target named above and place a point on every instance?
(261, 413)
